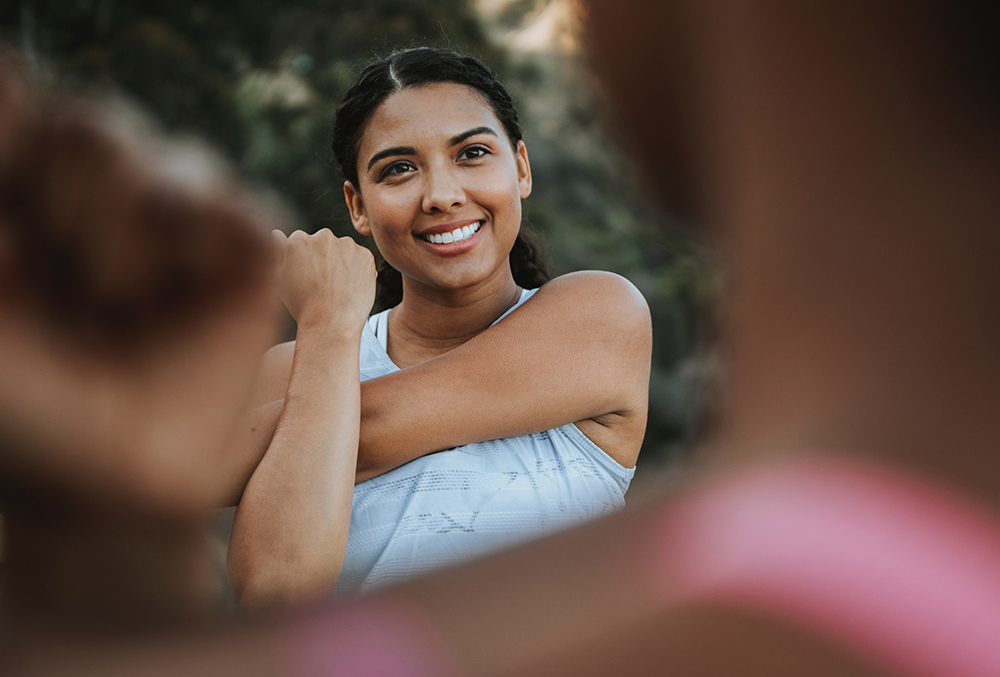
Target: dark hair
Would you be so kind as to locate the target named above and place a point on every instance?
(413, 68)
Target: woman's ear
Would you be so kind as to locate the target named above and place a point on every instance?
(523, 170)
(357, 208)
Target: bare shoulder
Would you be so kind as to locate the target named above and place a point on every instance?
(598, 290)
(273, 374)
(603, 304)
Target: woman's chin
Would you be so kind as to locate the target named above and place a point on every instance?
(460, 281)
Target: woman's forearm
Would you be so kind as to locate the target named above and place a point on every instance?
(290, 529)
(579, 348)
(253, 436)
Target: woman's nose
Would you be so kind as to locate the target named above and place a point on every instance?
(442, 191)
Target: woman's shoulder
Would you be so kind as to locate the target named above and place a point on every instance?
(606, 297)
(596, 285)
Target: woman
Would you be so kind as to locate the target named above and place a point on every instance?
(625, 610)
(435, 171)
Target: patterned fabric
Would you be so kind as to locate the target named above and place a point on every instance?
(462, 503)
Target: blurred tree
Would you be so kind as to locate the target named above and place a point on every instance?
(260, 79)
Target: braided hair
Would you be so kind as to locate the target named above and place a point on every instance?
(413, 68)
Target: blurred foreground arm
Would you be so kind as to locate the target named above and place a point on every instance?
(133, 306)
(582, 611)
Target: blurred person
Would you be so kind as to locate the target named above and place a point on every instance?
(541, 417)
(844, 519)
(845, 159)
(133, 308)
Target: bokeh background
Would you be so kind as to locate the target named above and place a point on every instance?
(259, 80)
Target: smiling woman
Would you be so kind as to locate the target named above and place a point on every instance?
(439, 165)
(537, 390)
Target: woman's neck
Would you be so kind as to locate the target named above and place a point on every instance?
(429, 321)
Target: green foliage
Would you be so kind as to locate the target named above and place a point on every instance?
(260, 80)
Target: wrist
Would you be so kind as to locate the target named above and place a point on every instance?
(328, 331)
(329, 322)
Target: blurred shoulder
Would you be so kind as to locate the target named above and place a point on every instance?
(279, 356)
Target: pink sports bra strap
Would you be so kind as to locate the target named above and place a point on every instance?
(894, 569)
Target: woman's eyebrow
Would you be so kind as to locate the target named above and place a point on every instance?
(398, 150)
(459, 138)
(410, 150)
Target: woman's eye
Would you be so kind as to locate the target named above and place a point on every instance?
(473, 153)
(396, 169)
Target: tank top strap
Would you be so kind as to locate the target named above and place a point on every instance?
(379, 322)
(525, 295)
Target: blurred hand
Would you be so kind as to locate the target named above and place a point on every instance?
(325, 281)
(134, 307)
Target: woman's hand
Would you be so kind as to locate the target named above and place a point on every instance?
(327, 283)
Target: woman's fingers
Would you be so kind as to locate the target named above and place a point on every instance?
(326, 280)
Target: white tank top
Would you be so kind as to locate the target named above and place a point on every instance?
(456, 505)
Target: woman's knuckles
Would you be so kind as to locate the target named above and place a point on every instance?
(327, 279)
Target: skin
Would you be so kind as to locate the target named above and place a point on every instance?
(120, 391)
(447, 297)
(295, 506)
(114, 435)
(434, 158)
(836, 348)
(595, 364)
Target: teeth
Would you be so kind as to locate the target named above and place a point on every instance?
(456, 235)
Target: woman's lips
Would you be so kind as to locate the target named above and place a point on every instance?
(457, 235)
(446, 244)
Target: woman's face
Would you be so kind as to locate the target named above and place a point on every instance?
(439, 186)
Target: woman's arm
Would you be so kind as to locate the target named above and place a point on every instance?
(578, 351)
(290, 529)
